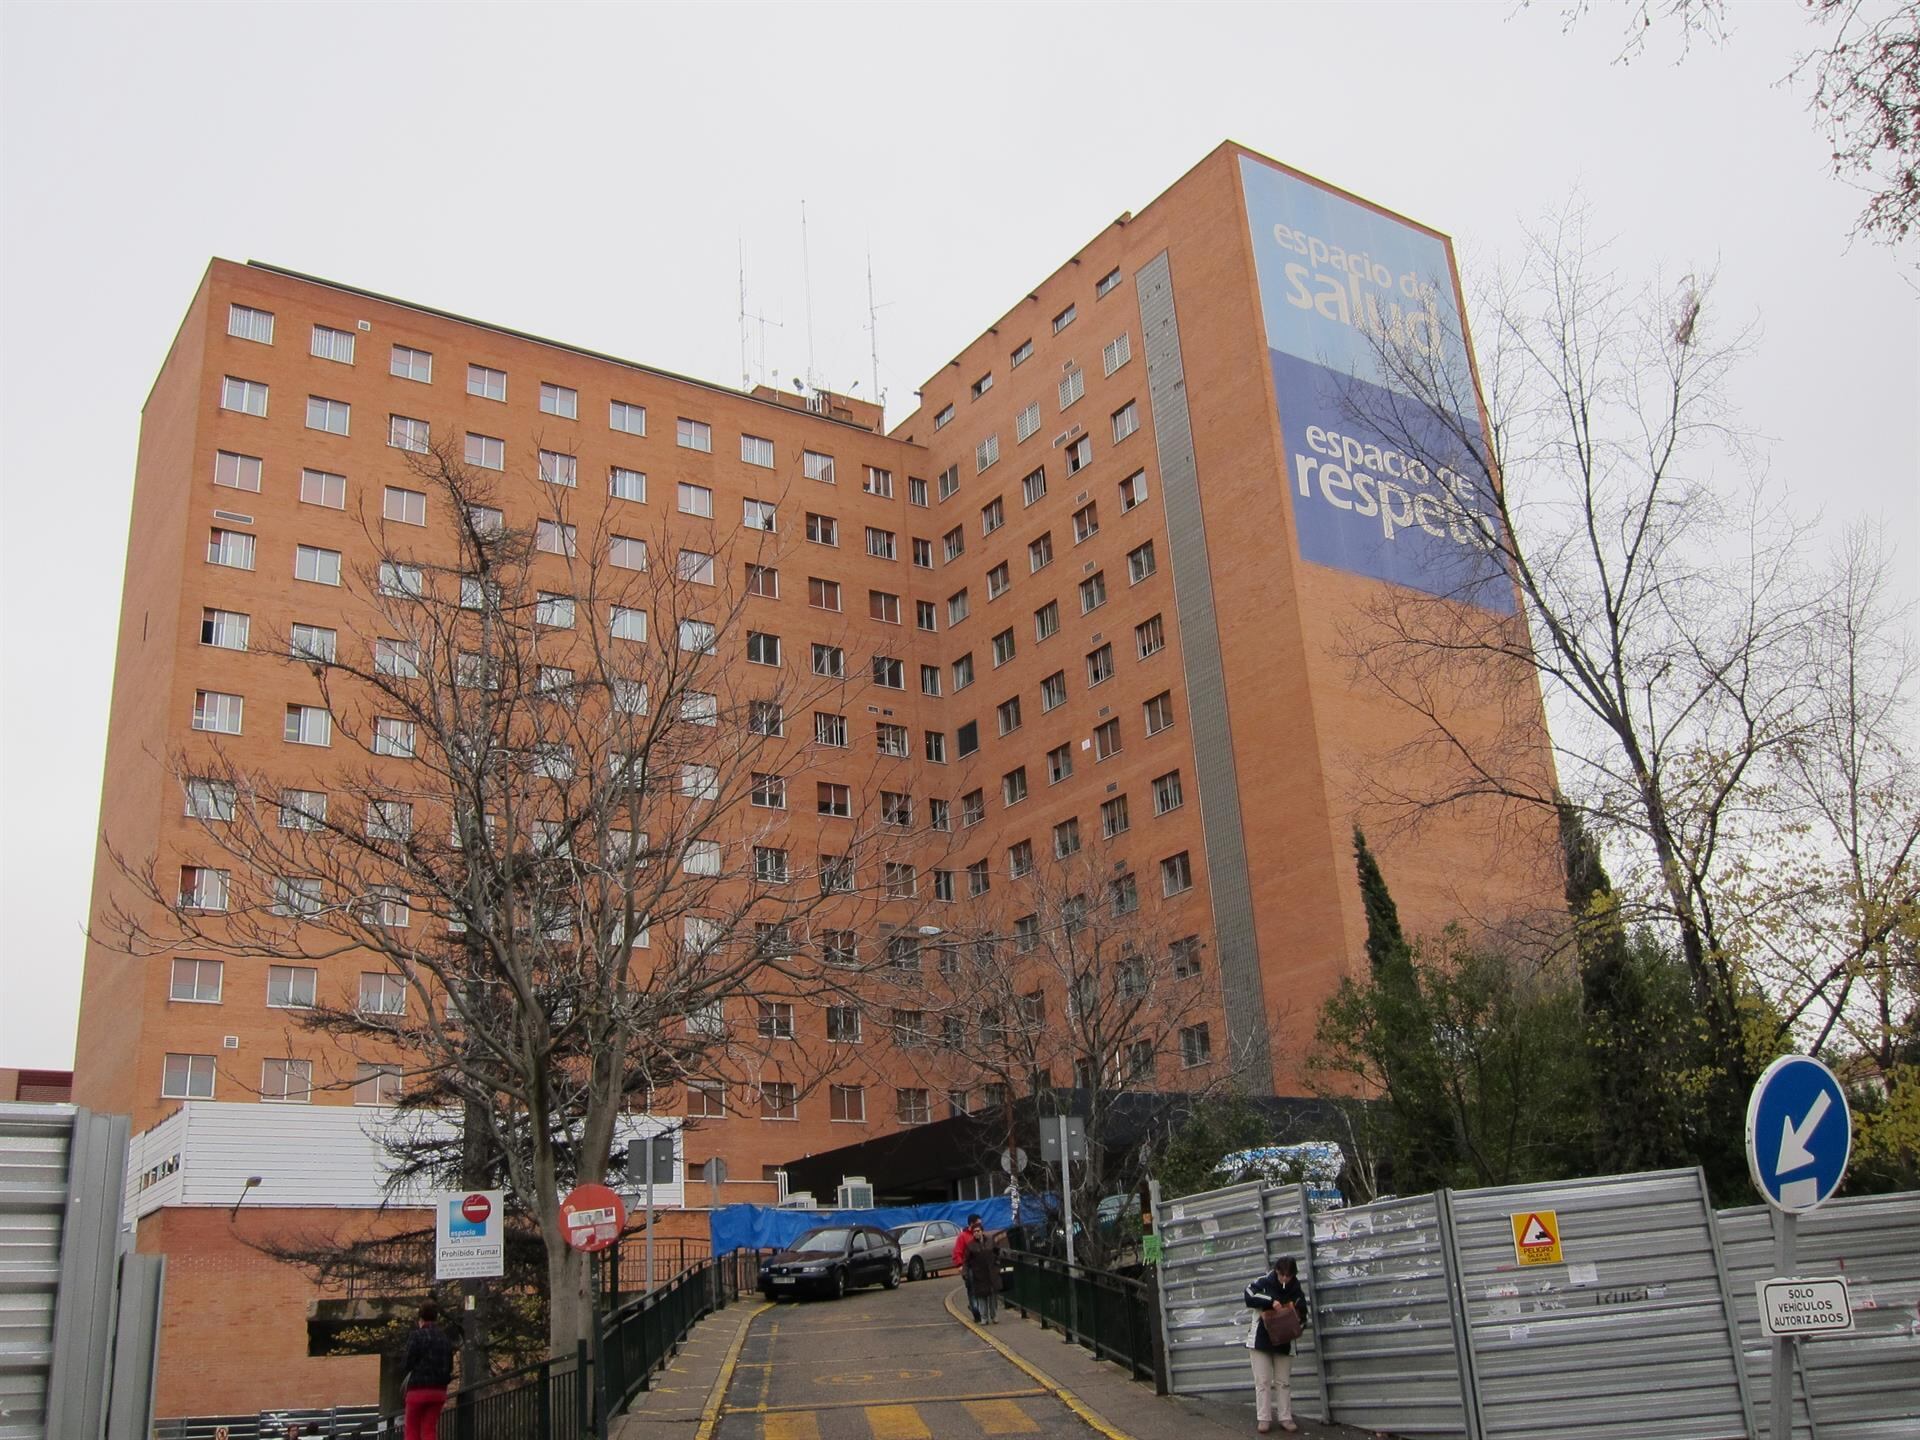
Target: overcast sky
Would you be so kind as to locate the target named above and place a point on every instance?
(591, 175)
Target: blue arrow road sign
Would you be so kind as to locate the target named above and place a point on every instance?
(1799, 1134)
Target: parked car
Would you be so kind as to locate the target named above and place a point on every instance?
(831, 1260)
(926, 1246)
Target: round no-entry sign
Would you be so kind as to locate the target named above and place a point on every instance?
(592, 1217)
(476, 1208)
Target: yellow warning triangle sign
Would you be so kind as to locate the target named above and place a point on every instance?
(1536, 1232)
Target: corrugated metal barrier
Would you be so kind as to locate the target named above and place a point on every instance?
(1618, 1305)
(1862, 1386)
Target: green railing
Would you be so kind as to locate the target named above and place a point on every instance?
(1112, 1315)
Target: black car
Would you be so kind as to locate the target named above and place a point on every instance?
(832, 1259)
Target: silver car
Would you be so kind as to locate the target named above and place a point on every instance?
(926, 1246)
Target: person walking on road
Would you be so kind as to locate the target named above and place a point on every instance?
(1281, 1307)
(983, 1272)
(960, 1244)
(429, 1370)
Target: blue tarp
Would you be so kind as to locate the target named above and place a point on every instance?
(762, 1227)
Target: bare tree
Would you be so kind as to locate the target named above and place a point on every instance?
(556, 849)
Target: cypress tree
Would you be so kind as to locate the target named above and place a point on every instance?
(1386, 942)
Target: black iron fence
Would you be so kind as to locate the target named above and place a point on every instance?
(623, 1266)
(641, 1335)
(549, 1401)
(1114, 1316)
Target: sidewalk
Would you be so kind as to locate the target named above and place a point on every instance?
(1128, 1408)
(686, 1395)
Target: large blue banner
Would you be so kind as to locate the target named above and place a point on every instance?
(1383, 484)
(762, 1227)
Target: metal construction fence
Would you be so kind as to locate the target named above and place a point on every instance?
(1638, 1317)
(1112, 1315)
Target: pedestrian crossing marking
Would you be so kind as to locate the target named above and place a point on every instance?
(1001, 1417)
(897, 1422)
(793, 1425)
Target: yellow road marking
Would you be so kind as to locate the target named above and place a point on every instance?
(1066, 1397)
(710, 1412)
(793, 1425)
(910, 1400)
(1001, 1417)
(897, 1422)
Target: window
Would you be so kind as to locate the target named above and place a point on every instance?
(303, 809)
(843, 1024)
(834, 800)
(1066, 839)
(396, 657)
(291, 987)
(378, 1085)
(695, 500)
(922, 553)
(1113, 817)
(236, 472)
(924, 615)
(559, 400)
(1159, 711)
(986, 454)
(1100, 665)
(1133, 491)
(846, 1102)
(406, 582)
(1126, 420)
(830, 661)
(1107, 283)
(1106, 739)
(405, 507)
(816, 466)
(1176, 874)
(1002, 647)
(878, 482)
(557, 468)
(486, 521)
(487, 384)
(1196, 1046)
(939, 813)
(625, 484)
(393, 737)
(1086, 523)
(973, 808)
(967, 738)
(756, 450)
(1053, 690)
(1079, 455)
(1140, 563)
(189, 1077)
(902, 881)
(312, 642)
(1040, 552)
(892, 740)
(949, 482)
(823, 529)
(1166, 793)
(628, 623)
(625, 552)
(1059, 763)
(769, 865)
(1013, 786)
(247, 396)
(196, 981)
(632, 419)
(936, 752)
(202, 888)
(697, 637)
(912, 1106)
(226, 629)
(880, 543)
(696, 567)
(1033, 486)
(286, 1082)
(763, 581)
(232, 548)
(246, 323)
(766, 717)
(762, 648)
(954, 544)
(1027, 422)
(889, 673)
(320, 487)
(486, 451)
(706, 1099)
(884, 607)
(916, 491)
(945, 414)
(759, 515)
(1093, 591)
(333, 416)
(982, 385)
(322, 567)
(769, 791)
(779, 1100)
(1118, 352)
(693, 434)
(1008, 715)
(209, 799)
(382, 994)
(553, 538)
(1063, 319)
(829, 729)
(963, 674)
(1072, 386)
(1046, 620)
(1020, 858)
(1150, 638)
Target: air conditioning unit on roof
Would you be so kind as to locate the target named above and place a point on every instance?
(855, 1194)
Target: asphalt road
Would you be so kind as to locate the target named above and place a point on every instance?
(882, 1365)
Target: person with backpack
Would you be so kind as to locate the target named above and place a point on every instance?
(1282, 1314)
(429, 1371)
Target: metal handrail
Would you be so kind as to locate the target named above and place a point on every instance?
(1110, 1314)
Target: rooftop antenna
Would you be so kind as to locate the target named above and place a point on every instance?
(748, 317)
(806, 262)
(873, 333)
